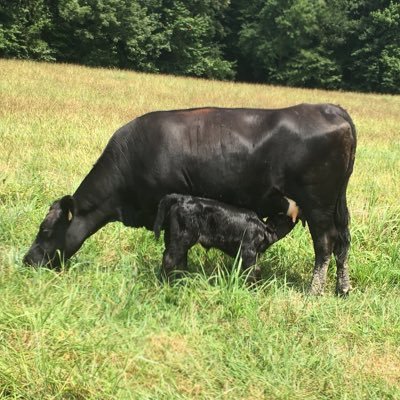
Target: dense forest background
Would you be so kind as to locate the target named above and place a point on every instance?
(335, 44)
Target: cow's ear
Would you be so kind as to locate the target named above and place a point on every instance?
(67, 204)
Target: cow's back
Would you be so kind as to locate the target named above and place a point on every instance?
(235, 155)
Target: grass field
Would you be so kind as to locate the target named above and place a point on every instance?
(104, 328)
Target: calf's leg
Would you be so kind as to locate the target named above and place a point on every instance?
(177, 244)
(249, 259)
(173, 258)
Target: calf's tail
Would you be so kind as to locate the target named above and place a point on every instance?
(164, 206)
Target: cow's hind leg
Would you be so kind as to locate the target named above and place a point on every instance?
(341, 251)
(324, 235)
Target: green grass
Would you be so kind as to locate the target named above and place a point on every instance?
(104, 328)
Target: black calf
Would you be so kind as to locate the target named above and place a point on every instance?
(189, 220)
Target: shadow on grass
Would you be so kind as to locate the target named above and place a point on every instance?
(284, 276)
(209, 264)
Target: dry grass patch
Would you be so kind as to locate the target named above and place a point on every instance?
(175, 364)
(382, 364)
(163, 347)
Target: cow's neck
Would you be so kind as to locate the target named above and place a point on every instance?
(100, 184)
(96, 204)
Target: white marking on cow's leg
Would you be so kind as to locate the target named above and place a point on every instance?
(293, 209)
(319, 277)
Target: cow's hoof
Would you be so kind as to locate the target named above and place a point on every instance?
(343, 291)
(316, 288)
(316, 292)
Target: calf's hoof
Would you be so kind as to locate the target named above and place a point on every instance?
(170, 276)
(253, 276)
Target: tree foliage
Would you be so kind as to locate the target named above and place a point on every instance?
(376, 53)
(116, 33)
(335, 44)
(22, 23)
(286, 43)
(194, 34)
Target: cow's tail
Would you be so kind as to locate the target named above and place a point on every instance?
(163, 209)
(342, 216)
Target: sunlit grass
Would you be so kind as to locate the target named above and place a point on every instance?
(105, 328)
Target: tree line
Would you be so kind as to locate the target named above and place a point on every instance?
(332, 44)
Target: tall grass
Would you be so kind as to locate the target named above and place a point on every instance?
(105, 328)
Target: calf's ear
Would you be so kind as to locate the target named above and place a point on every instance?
(67, 204)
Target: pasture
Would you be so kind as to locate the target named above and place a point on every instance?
(105, 328)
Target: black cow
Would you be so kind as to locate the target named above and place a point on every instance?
(188, 220)
(237, 156)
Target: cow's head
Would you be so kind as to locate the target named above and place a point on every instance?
(49, 247)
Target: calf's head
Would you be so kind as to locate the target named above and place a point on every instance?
(269, 237)
(49, 247)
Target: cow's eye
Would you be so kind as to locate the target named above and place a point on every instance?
(46, 233)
